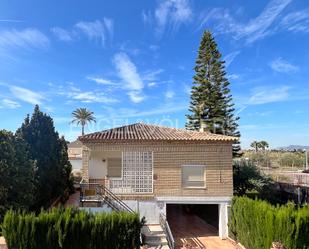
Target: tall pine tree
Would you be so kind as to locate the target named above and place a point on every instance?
(211, 105)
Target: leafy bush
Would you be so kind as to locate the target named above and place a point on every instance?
(247, 177)
(71, 229)
(256, 224)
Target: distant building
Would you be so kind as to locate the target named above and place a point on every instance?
(75, 156)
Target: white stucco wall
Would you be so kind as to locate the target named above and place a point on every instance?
(97, 165)
(147, 209)
(76, 164)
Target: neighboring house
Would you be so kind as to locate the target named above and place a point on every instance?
(151, 167)
(75, 150)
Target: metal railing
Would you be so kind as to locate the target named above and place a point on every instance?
(166, 228)
(99, 192)
(114, 202)
(294, 178)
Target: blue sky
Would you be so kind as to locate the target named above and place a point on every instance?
(133, 61)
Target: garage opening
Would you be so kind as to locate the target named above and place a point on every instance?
(198, 220)
(196, 226)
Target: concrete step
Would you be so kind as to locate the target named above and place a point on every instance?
(155, 237)
(152, 230)
(156, 241)
(158, 247)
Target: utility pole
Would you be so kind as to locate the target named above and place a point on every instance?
(306, 153)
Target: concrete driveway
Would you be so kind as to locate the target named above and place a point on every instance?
(192, 232)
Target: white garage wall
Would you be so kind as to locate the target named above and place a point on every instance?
(148, 209)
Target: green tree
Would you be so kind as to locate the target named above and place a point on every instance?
(255, 145)
(46, 149)
(16, 173)
(264, 145)
(83, 116)
(211, 104)
(247, 177)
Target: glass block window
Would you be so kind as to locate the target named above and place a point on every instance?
(193, 176)
(137, 173)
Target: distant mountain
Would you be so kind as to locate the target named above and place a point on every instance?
(294, 147)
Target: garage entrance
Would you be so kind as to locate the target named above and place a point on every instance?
(181, 213)
(195, 226)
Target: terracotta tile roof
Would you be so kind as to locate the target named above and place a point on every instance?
(75, 144)
(146, 132)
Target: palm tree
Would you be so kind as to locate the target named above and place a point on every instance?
(82, 116)
(255, 145)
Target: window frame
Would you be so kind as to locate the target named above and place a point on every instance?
(204, 176)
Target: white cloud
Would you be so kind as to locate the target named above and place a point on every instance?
(91, 97)
(62, 34)
(229, 58)
(109, 25)
(169, 94)
(10, 104)
(102, 81)
(172, 13)
(147, 17)
(282, 66)
(127, 71)
(22, 39)
(97, 30)
(297, 21)
(233, 76)
(151, 84)
(26, 95)
(269, 95)
(9, 20)
(159, 110)
(136, 96)
(152, 75)
(252, 31)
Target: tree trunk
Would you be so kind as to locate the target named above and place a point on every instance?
(83, 130)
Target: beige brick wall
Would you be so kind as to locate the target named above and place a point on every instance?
(168, 158)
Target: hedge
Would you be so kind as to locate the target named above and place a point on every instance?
(71, 229)
(256, 224)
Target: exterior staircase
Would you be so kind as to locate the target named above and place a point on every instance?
(96, 195)
(154, 237)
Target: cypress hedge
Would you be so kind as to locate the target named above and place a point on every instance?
(256, 224)
(71, 229)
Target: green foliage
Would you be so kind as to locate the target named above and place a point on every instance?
(291, 159)
(49, 152)
(256, 145)
(274, 159)
(71, 229)
(256, 224)
(16, 173)
(211, 100)
(82, 116)
(247, 177)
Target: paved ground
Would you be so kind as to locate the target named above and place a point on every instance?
(73, 200)
(192, 232)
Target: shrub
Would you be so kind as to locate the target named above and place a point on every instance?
(71, 229)
(256, 224)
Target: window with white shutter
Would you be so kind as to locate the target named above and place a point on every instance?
(193, 176)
